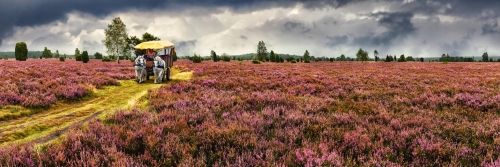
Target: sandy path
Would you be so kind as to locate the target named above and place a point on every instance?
(51, 123)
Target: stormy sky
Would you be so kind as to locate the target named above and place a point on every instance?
(419, 28)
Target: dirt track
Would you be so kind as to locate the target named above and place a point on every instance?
(60, 118)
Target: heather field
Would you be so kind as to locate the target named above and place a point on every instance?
(270, 114)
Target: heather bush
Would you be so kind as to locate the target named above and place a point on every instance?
(335, 114)
(32, 84)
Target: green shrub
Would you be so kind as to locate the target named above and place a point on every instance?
(62, 58)
(78, 57)
(255, 61)
(293, 61)
(21, 51)
(85, 57)
(97, 55)
(7, 58)
(107, 59)
(225, 58)
(196, 59)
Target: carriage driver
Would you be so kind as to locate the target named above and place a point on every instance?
(140, 68)
(158, 69)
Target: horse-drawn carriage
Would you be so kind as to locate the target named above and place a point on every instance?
(167, 56)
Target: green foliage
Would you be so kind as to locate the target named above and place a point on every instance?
(62, 58)
(133, 40)
(332, 59)
(280, 59)
(85, 57)
(421, 59)
(196, 59)
(107, 59)
(389, 58)
(409, 58)
(225, 57)
(272, 57)
(293, 61)
(174, 58)
(7, 58)
(77, 52)
(46, 53)
(56, 55)
(362, 55)
(149, 37)
(307, 57)
(342, 57)
(402, 58)
(78, 57)
(485, 57)
(97, 55)
(255, 61)
(214, 56)
(21, 51)
(262, 51)
(115, 40)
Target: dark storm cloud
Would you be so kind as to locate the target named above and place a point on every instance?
(490, 28)
(461, 8)
(38, 12)
(337, 40)
(292, 26)
(398, 25)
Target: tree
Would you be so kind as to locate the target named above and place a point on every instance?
(97, 55)
(21, 51)
(485, 57)
(115, 40)
(78, 56)
(402, 58)
(174, 58)
(77, 52)
(375, 53)
(56, 55)
(225, 57)
(272, 57)
(362, 55)
(421, 59)
(307, 57)
(85, 57)
(46, 53)
(342, 57)
(214, 56)
(261, 51)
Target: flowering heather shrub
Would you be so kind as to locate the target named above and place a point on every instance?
(317, 114)
(40, 83)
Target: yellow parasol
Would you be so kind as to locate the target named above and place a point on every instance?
(156, 45)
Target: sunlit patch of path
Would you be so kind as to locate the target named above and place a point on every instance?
(58, 119)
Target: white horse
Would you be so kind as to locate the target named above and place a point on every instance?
(140, 69)
(158, 69)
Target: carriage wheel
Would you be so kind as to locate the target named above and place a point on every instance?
(167, 75)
